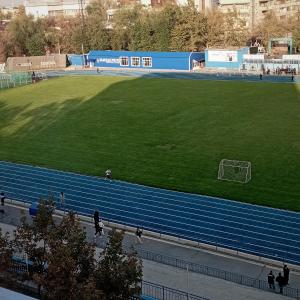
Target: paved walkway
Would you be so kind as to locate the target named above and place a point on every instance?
(172, 277)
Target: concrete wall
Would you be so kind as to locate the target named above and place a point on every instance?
(32, 63)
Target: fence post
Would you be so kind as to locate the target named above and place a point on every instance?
(163, 293)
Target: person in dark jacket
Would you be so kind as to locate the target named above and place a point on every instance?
(271, 280)
(33, 77)
(286, 274)
(280, 280)
(2, 197)
(96, 221)
(138, 234)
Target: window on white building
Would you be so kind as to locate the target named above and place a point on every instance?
(124, 61)
(147, 61)
(135, 61)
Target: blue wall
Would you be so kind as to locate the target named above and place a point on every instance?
(226, 64)
(76, 59)
(160, 60)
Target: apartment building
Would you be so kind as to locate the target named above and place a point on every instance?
(253, 11)
(43, 8)
(201, 5)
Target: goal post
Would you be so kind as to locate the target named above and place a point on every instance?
(234, 170)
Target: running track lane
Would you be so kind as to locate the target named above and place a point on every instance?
(257, 230)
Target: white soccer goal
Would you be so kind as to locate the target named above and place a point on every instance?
(234, 170)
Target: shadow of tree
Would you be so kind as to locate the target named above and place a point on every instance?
(162, 132)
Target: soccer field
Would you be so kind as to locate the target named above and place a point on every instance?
(168, 133)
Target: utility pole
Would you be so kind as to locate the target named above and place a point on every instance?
(81, 7)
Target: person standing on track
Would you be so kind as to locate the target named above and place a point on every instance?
(108, 174)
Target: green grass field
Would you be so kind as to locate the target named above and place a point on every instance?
(160, 132)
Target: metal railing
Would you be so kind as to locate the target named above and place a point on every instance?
(10, 80)
(160, 292)
(217, 273)
(148, 290)
(209, 271)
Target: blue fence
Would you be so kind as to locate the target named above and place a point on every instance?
(261, 231)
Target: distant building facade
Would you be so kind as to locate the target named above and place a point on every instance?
(43, 8)
(253, 11)
(201, 5)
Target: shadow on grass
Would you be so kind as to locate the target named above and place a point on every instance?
(161, 132)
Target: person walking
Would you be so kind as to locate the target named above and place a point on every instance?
(286, 274)
(280, 281)
(33, 77)
(2, 197)
(96, 222)
(108, 174)
(62, 198)
(138, 234)
(101, 228)
(271, 280)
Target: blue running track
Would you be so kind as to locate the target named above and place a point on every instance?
(176, 75)
(257, 230)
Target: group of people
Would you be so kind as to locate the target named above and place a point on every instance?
(281, 280)
(261, 76)
(99, 228)
(286, 70)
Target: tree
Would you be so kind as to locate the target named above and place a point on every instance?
(70, 263)
(6, 251)
(64, 265)
(270, 27)
(32, 238)
(296, 37)
(142, 35)
(27, 35)
(98, 36)
(123, 27)
(163, 25)
(118, 274)
(190, 30)
(236, 32)
(215, 29)
(63, 261)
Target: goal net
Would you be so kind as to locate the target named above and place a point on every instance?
(234, 170)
